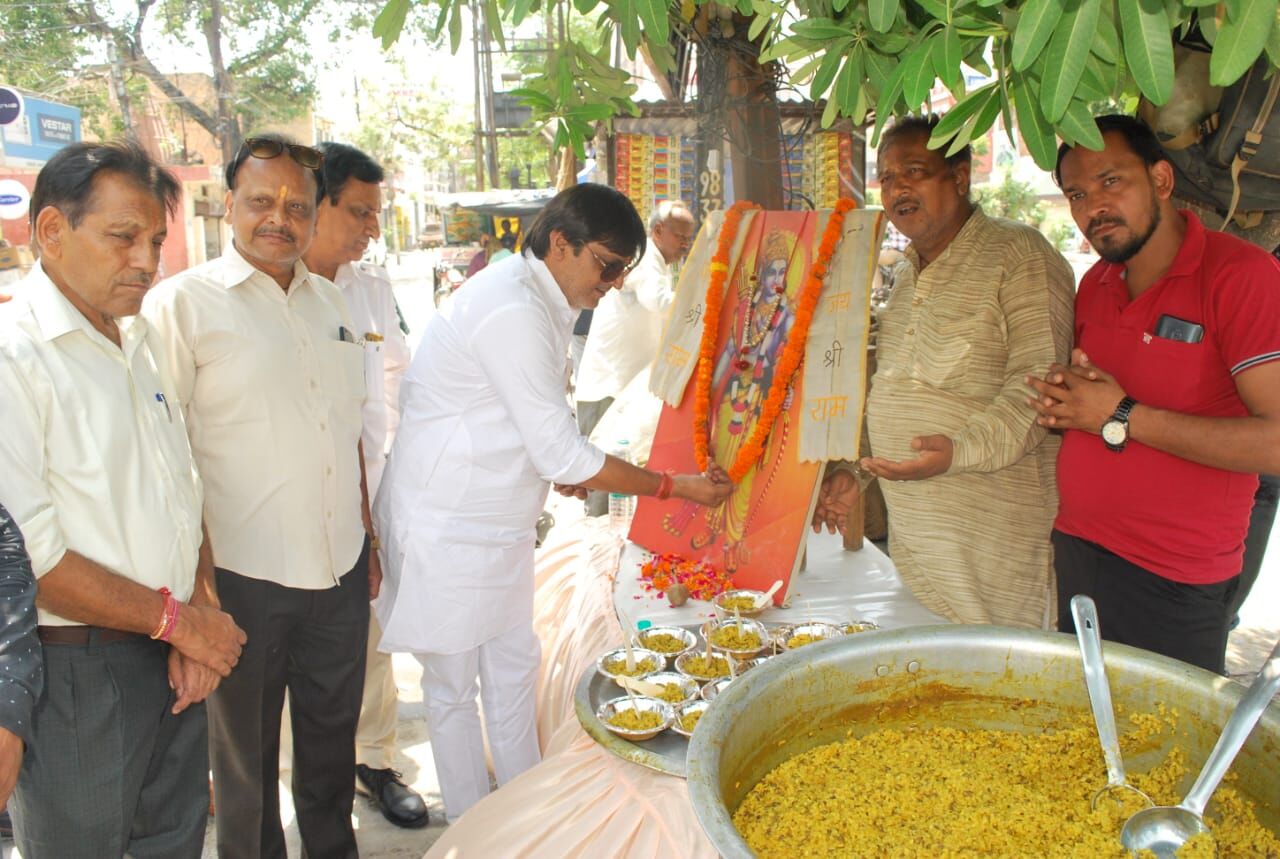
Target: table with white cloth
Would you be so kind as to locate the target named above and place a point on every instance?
(581, 800)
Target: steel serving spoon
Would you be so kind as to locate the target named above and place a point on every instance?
(1089, 636)
(1164, 829)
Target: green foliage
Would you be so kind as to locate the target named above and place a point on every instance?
(1062, 234)
(1054, 60)
(1011, 199)
(62, 51)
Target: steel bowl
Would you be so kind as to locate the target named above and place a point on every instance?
(816, 629)
(721, 599)
(639, 703)
(682, 665)
(657, 661)
(688, 686)
(853, 627)
(687, 636)
(683, 710)
(742, 625)
(981, 677)
(714, 688)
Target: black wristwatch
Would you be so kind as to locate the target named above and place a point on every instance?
(1115, 432)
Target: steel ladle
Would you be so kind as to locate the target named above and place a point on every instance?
(1089, 636)
(1164, 829)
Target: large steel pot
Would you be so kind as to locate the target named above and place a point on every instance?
(974, 676)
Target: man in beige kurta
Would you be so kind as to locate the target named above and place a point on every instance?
(967, 475)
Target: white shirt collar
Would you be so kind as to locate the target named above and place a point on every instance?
(236, 270)
(56, 316)
(547, 287)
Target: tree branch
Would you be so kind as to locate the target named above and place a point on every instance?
(86, 15)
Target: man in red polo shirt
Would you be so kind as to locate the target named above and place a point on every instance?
(1171, 406)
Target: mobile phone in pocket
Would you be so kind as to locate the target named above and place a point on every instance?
(1172, 328)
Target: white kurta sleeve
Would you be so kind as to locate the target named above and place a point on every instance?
(516, 348)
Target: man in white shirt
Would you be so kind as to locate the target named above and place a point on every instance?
(267, 369)
(627, 326)
(346, 222)
(97, 472)
(486, 427)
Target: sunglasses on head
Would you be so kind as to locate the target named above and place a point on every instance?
(262, 147)
(613, 269)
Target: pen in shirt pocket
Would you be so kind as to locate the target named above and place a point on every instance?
(160, 398)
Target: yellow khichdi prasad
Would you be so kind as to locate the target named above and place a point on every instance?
(635, 720)
(702, 667)
(736, 638)
(689, 721)
(619, 667)
(672, 693)
(663, 642)
(739, 603)
(946, 792)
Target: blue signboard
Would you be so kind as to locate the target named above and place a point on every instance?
(43, 129)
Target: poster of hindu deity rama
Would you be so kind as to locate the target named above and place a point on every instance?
(759, 533)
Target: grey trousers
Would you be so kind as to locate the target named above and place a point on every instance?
(310, 643)
(110, 770)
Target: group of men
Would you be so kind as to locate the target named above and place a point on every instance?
(187, 473)
(225, 407)
(1159, 380)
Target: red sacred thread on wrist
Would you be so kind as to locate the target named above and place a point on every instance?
(665, 484)
(173, 620)
(166, 615)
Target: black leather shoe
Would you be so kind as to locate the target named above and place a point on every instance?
(392, 796)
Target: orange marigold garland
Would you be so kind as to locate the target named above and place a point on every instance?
(704, 581)
(792, 351)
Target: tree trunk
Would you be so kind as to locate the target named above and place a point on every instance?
(753, 128)
(228, 133)
(567, 174)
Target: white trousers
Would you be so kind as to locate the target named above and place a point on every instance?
(504, 673)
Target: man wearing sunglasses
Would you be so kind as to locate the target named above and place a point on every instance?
(269, 373)
(485, 429)
(627, 325)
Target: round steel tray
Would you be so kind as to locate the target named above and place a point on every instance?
(665, 753)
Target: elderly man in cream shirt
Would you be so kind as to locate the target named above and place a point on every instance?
(97, 472)
(486, 428)
(268, 371)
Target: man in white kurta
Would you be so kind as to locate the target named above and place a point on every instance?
(485, 426)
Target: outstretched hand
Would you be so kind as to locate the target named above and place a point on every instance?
(1081, 396)
(710, 488)
(934, 455)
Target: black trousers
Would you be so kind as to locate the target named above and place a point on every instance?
(312, 644)
(1255, 542)
(1142, 609)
